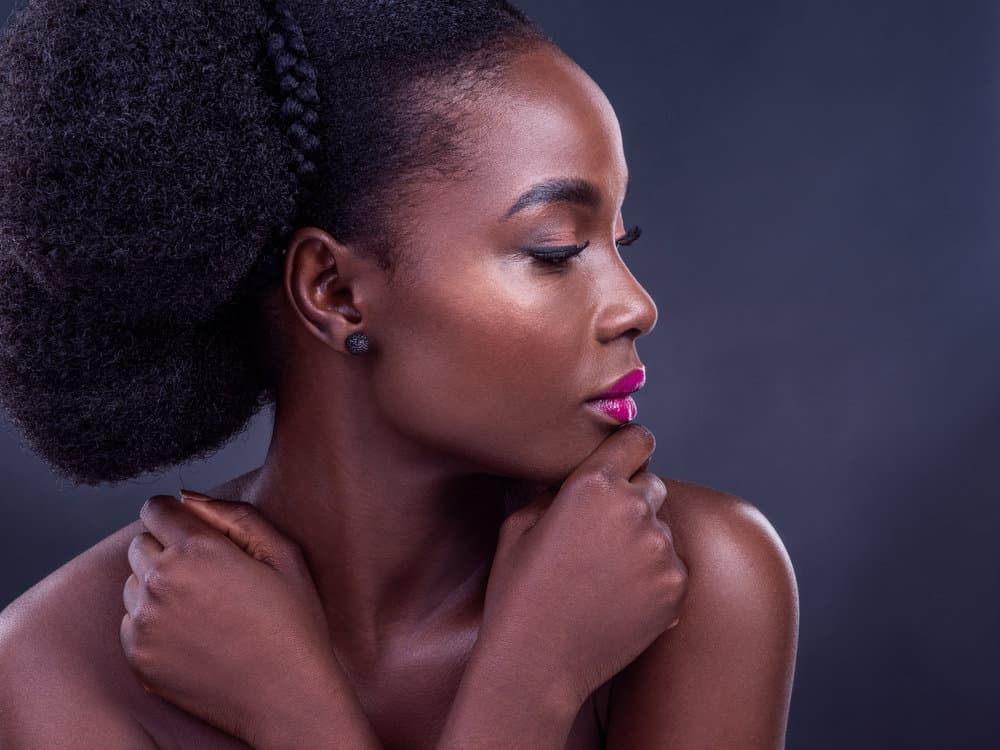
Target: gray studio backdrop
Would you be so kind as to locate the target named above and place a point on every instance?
(818, 184)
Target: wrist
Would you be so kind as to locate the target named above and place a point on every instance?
(326, 716)
(501, 705)
(500, 651)
(497, 666)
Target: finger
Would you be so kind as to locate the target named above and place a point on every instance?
(142, 553)
(521, 492)
(653, 490)
(130, 594)
(168, 520)
(621, 454)
(125, 634)
(125, 637)
(524, 518)
(242, 523)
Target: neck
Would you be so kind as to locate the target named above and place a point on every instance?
(397, 538)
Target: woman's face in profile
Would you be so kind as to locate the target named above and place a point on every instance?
(486, 352)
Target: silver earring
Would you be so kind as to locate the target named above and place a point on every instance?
(357, 343)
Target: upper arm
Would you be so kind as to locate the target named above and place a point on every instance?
(722, 677)
(47, 702)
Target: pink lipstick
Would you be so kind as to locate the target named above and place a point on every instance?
(616, 401)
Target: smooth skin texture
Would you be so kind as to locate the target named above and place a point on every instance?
(384, 467)
(560, 617)
(213, 582)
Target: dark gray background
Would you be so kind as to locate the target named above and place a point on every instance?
(817, 183)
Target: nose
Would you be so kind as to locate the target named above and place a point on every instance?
(629, 310)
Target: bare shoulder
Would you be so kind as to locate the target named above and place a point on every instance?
(64, 678)
(62, 685)
(712, 525)
(722, 677)
(737, 564)
(64, 614)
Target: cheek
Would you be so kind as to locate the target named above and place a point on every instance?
(493, 374)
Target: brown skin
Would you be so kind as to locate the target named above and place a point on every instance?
(481, 365)
(204, 596)
(192, 590)
(384, 468)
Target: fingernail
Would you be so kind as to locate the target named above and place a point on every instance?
(195, 496)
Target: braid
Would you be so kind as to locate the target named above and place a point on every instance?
(293, 88)
(156, 157)
(299, 100)
(292, 85)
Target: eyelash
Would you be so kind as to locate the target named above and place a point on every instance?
(559, 256)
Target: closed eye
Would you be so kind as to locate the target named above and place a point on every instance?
(558, 256)
(630, 236)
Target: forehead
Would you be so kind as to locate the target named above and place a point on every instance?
(543, 119)
(546, 118)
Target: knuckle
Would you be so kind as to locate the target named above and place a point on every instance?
(131, 589)
(134, 548)
(644, 435)
(658, 543)
(657, 487)
(125, 632)
(152, 504)
(638, 509)
(136, 544)
(194, 545)
(665, 529)
(141, 660)
(142, 623)
(597, 479)
(133, 652)
(157, 583)
(675, 580)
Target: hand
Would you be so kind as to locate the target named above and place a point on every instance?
(586, 578)
(223, 620)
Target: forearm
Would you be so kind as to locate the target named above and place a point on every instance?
(497, 708)
(332, 720)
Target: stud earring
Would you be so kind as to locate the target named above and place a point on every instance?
(357, 343)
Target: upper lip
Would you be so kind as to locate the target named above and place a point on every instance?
(625, 385)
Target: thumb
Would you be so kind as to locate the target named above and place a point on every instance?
(524, 518)
(245, 526)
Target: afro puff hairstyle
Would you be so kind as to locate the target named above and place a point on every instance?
(155, 158)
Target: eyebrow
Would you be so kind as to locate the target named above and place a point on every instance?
(559, 189)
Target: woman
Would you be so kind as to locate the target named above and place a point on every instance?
(400, 223)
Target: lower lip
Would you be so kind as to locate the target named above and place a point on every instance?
(619, 409)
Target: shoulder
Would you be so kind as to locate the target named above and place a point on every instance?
(64, 679)
(58, 664)
(66, 611)
(722, 677)
(726, 536)
(73, 614)
(739, 572)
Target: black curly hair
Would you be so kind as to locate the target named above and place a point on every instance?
(155, 157)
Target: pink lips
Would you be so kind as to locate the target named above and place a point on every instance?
(616, 402)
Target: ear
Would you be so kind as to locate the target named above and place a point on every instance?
(329, 286)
